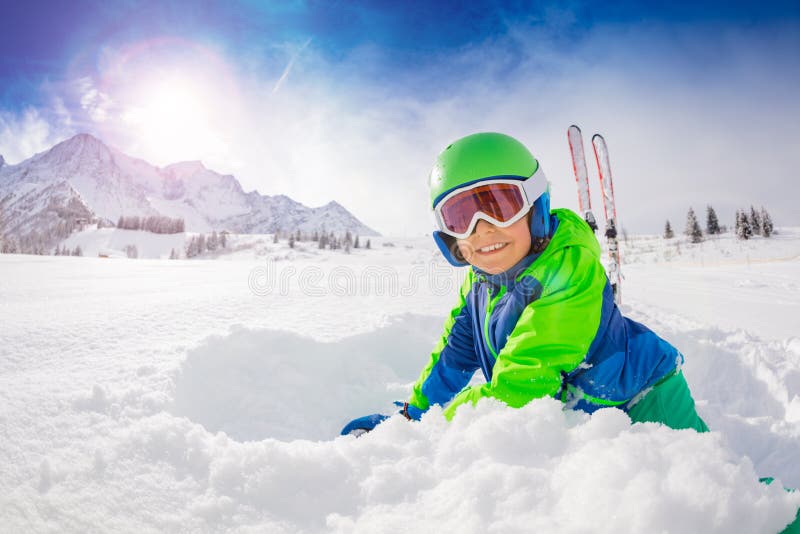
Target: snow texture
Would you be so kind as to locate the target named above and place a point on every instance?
(206, 396)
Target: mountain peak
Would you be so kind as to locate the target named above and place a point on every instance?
(334, 205)
(186, 168)
(78, 146)
(83, 139)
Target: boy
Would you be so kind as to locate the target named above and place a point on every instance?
(536, 312)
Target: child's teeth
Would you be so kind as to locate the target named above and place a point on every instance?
(492, 247)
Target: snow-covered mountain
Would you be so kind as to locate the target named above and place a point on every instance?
(83, 178)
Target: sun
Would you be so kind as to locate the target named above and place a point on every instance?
(173, 119)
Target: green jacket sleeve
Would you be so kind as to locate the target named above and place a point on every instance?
(553, 333)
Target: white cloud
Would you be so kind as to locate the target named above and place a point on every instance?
(24, 134)
(94, 102)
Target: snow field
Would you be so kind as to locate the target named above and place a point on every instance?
(205, 396)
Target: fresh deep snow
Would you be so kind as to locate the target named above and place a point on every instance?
(206, 396)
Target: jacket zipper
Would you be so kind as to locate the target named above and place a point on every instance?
(489, 310)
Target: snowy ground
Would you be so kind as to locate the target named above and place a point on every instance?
(206, 396)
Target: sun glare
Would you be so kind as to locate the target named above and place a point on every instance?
(173, 119)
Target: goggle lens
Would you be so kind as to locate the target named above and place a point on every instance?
(499, 201)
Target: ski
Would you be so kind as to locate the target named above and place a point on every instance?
(610, 212)
(575, 139)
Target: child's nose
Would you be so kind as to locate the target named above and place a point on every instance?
(483, 226)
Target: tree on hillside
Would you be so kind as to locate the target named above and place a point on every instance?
(712, 222)
(693, 227)
(369, 244)
(668, 233)
(356, 243)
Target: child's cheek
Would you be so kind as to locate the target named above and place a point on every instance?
(466, 249)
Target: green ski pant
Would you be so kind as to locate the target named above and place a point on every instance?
(670, 403)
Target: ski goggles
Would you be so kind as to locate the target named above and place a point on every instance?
(499, 201)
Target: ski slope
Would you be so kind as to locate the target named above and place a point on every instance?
(206, 396)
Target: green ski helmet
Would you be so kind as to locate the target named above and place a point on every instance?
(487, 156)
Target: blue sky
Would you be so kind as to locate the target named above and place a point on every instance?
(352, 100)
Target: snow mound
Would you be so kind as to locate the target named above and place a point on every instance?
(494, 469)
(256, 384)
(746, 387)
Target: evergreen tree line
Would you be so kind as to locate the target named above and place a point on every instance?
(756, 222)
(200, 244)
(30, 243)
(324, 240)
(156, 224)
(60, 224)
(64, 251)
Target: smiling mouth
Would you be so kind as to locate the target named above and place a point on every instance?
(492, 248)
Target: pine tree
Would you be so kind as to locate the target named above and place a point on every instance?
(743, 228)
(712, 222)
(369, 245)
(737, 223)
(356, 244)
(173, 255)
(213, 241)
(766, 223)
(223, 239)
(275, 238)
(291, 240)
(755, 221)
(191, 247)
(693, 227)
(668, 233)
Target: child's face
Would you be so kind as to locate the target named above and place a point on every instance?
(514, 241)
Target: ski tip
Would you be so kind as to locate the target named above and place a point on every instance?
(597, 136)
(574, 126)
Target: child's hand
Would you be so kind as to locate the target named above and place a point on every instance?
(365, 424)
(362, 425)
